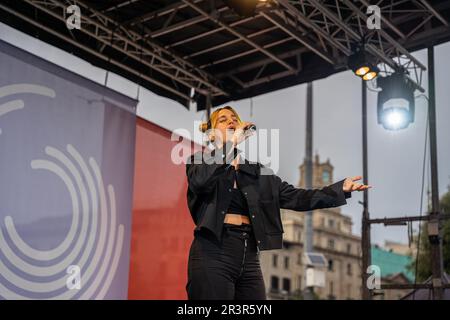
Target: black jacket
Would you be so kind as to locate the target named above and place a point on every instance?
(210, 179)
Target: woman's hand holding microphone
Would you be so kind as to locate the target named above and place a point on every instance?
(240, 133)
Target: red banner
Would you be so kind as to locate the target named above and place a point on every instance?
(162, 228)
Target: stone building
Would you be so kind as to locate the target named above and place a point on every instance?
(284, 270)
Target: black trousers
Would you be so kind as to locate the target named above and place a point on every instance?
(229, 270)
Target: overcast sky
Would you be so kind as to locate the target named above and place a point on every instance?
(395, 158)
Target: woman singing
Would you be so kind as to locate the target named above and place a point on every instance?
(235, 206)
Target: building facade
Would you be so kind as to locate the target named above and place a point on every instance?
(393, 261)
(284, 269)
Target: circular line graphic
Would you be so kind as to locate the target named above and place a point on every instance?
(110, 251)
(13, 89)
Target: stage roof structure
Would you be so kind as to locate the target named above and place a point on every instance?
(203, 51)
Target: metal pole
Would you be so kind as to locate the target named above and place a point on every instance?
(208, 105)
(309, 165)
(434, 225)
(366, 258)
(308, 225)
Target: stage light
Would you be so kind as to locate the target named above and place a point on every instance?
(371, 74)
(244, 8)
(395, 106)
(362, 70)
(361, 66)
(395, 118)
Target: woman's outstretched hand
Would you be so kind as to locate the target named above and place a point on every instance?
(350, 185)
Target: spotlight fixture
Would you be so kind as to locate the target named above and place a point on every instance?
(245, 8)
(372, 73)
(395, 106)
(361, 66)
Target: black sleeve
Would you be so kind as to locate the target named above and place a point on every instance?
(203, 169)
(303, 200)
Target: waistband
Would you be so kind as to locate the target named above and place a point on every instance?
(243, 227)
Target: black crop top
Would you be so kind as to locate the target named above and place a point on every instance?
(238, 203)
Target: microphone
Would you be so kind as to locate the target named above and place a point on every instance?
(248, 131)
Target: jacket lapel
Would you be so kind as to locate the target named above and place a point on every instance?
(250, 168)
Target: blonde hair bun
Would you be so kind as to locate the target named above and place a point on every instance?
(203, 127)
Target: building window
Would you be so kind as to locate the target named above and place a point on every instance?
(322, 222)
(331, 294)
(349, 269)
(331, 243)
(330, 265)
(274, 283)
(287, 285)
(299, 236)
(275, 260)
(331, 223)
(286, 262)
(299, 259)
(349, 248)
(299, 282)
(326, 176)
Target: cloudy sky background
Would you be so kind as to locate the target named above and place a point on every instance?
(395, 158)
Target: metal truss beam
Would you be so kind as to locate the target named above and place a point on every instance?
(208, 33)
(303, 19)
(434, 12)
(228, 43)
(327, 28)
(260, 63)
(297, 36)
(111, 33)
(400, 50)
(404, 220)
(119, 5)
(158, 13)
(266, 79)
(93, 52)
(183, 24)
(239, 35)
(245, 53)
(327, 24)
